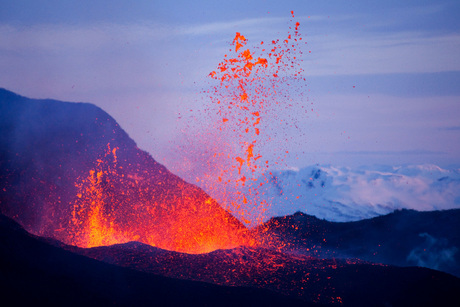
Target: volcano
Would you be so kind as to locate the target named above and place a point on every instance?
(74, 186)
(68, 171)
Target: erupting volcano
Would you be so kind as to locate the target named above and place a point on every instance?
(113, 205)
(73, 174)
(81, 188)
(70, 172)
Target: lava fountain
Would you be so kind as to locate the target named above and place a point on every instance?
(69, 172)
(251, 92)
(113, 206)
(87, 184)
(249, 87)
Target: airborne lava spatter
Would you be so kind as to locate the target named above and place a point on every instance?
(90, 185)
(116, 203)
(253, 86)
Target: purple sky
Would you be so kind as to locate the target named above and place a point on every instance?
(383, 77)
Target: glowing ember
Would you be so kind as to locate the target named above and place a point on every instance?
(250, 90)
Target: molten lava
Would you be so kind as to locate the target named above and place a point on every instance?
(115, 206)
(250, 88)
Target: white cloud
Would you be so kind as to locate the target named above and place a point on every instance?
(62, 37)
(252, 25)
(383, 53)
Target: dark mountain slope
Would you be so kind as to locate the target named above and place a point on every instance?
(33, 272)
(404, 238)
(68, 171)
(330, 282)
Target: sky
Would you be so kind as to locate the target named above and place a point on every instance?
(381, 77)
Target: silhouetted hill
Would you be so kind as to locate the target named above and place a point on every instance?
(32, 272)
(404, 238)
(68, 171)
(330, 282)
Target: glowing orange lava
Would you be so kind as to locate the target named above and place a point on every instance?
(248, 92)
(114, 205)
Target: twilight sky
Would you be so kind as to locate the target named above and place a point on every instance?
(382, 76)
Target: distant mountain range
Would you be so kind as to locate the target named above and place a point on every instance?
(403, 238)
(344, 194)
(68, 171)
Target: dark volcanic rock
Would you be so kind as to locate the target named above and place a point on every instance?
(33, 272)
(323, 281)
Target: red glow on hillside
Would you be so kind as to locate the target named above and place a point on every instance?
(114, 206)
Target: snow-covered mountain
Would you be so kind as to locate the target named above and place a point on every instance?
(348, 194)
